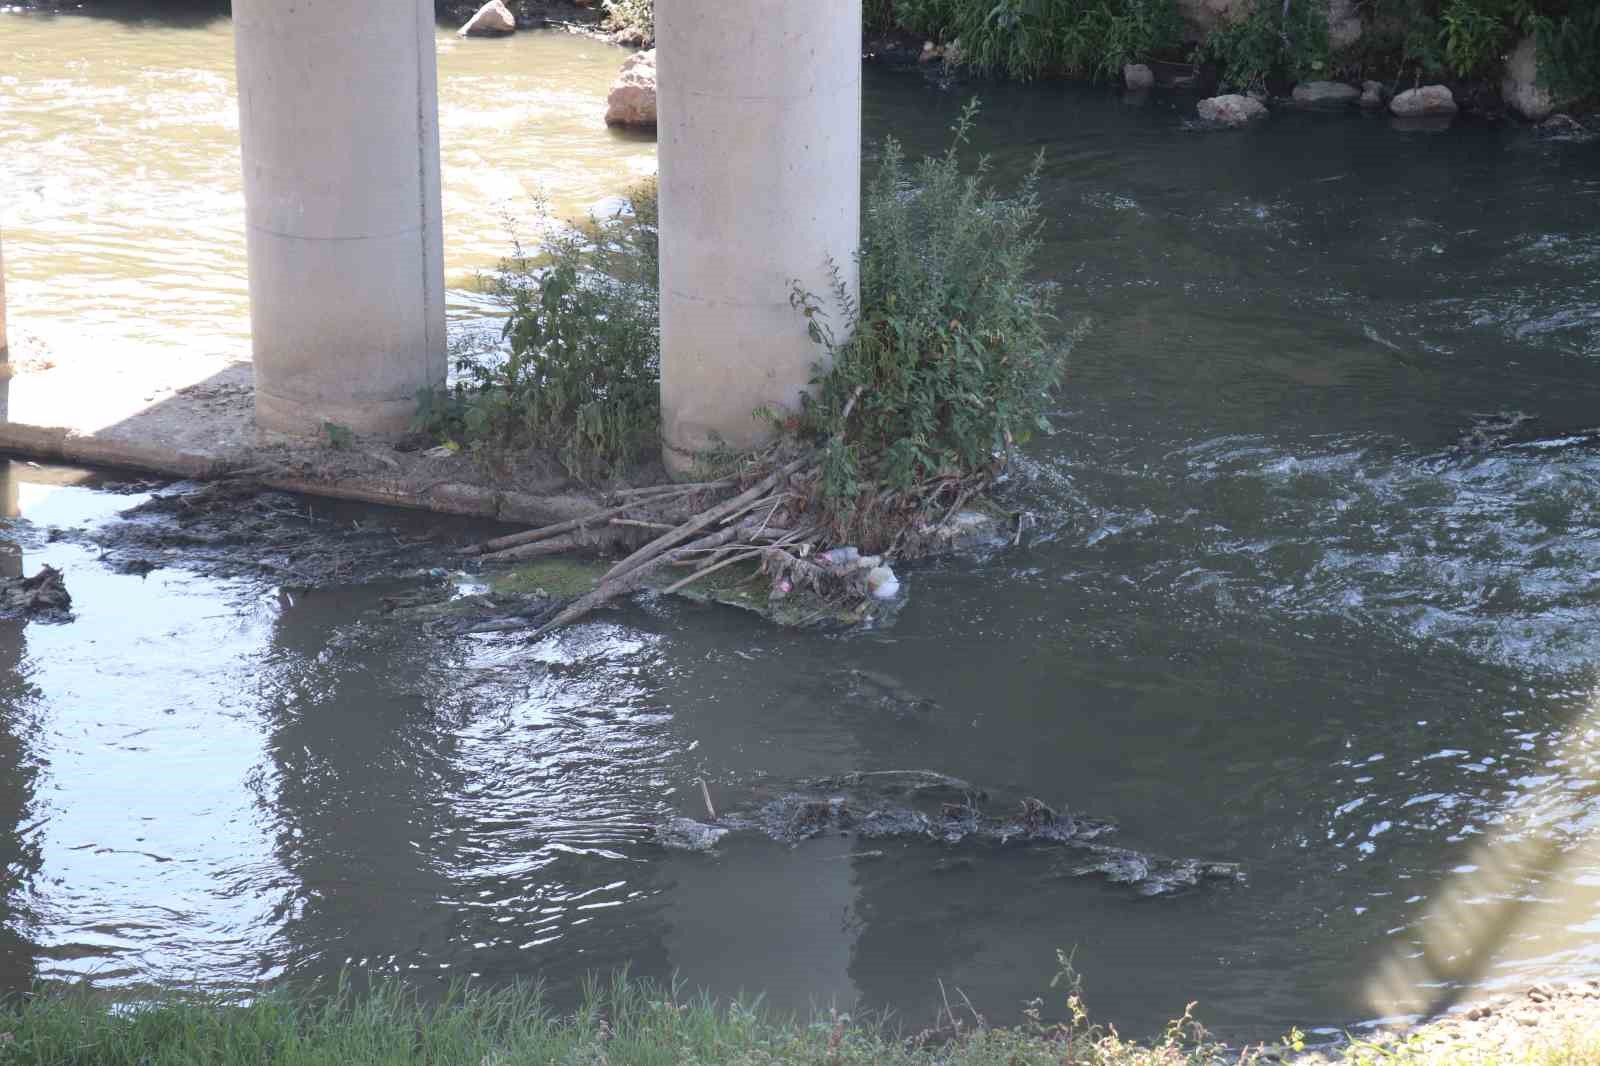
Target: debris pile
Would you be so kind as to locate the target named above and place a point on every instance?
(43, 594)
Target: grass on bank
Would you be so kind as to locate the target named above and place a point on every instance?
(624, 1023)
(1404, 40)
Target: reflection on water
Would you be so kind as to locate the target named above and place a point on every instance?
(1315, 590)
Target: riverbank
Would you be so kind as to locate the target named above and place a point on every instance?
(626, 1023)
(1551, 1025)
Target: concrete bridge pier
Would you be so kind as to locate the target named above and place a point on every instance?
(5, 349)
(339, 125)
(759, 131)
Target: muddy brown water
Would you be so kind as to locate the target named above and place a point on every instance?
(1316, 589)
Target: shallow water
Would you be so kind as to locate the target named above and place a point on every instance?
(121, 170)
(1314, 589)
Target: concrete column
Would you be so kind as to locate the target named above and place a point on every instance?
(5, 351)
(339, 125)
(759, 126)
(5, 348)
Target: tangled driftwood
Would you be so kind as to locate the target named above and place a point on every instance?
(772, 516)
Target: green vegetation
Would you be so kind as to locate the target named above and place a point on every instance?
(581, 376)
(637, 15)
(946, 362)
(560, 576)
(621, 1023)
(627, 1023)
(1404, 40)
(1024, 39)
(943, 366)
(1469, 38)
(1271, 42)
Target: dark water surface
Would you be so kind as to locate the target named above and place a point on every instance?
(1276, 612)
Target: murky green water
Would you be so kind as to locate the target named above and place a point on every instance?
(1274, 612)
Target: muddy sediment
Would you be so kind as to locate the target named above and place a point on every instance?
(926, 807)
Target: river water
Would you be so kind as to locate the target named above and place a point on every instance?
(1315, 588)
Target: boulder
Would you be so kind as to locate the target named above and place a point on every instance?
(1325, 94)
(1426, 101)
(631, 37)
(1520, 85)
(632, 101)
(493, 19)
(1372, 95)
(1344, 23)
(1233, 110)
(1137, 76)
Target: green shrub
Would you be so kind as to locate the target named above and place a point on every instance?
(1474, 34)
(1268, 43)
(637, 15)
(1020, 39)
(581, 372)
(1024, 39)
(1569, 50)
(1469, 38)
(946, 361)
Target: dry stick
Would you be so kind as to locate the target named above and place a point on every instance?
(705, 794)
(687, 486)
(536, 550)
(716, 514)
(636, 523)
(610, 588)
(753, 553)
(511, 540)
(769, 537)
(707, 571)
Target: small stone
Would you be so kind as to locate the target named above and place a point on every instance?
(1231, 110)
(1373, 95)
(686, 834)
(1138, 76)
(632, 100)
(1561, 122)
(493, 19)
(1325, 94)
(1428, 100)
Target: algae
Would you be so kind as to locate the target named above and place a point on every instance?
(558, 577)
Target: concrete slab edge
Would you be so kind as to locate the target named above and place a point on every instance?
(54, 444)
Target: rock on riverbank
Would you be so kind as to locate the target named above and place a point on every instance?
(1231, 110)
(493, 19)
(1423, 102)
(1520, 86)
(1325, 94)
(632, 101)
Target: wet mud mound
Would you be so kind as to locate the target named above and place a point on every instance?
(43, 596)
(235, 528)
(921, 806)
